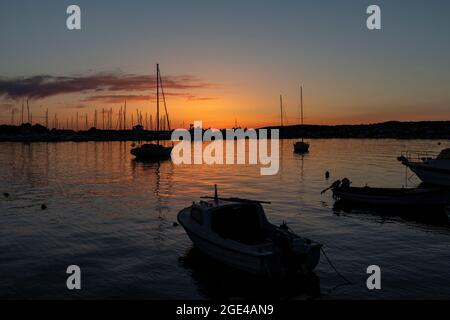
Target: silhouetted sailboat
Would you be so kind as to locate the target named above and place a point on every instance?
(301, 146)
(155, 151)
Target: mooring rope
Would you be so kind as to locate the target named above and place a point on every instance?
(334, 268)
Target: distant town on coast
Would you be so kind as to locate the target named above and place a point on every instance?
(386, 130)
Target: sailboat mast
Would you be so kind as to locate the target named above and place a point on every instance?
(157, 98)
(301, 103)
(281, 108)
(164, 101)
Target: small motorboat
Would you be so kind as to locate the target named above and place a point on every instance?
(237, 233)
(430, 168)
(394, 197)
(151, 151)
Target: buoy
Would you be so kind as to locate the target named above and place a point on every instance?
(6, 194)
(43, 206)
(327, 175)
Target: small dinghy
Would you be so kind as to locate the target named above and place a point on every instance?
(237, 233)
(396, 197)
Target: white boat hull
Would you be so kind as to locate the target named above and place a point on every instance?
(270, 265)
(431, 175)
(234, 259)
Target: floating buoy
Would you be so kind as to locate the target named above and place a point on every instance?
(327, 175)
(43, 206)
(6, 194)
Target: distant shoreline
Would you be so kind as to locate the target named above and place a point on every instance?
(385, 130)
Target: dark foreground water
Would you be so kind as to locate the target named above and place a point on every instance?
(114, 217)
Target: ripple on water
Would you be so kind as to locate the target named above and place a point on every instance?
(114, 217)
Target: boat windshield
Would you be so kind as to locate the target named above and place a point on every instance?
(240, 223)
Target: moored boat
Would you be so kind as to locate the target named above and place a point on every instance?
(155, 151)
(301, 146)
(237, 233)
(151, 151)
(393, 197)
(430, 168)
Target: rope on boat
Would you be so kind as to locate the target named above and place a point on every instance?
(334, 268)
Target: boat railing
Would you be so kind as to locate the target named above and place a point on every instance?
(419, 156)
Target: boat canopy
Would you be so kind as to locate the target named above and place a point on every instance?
(444, 155)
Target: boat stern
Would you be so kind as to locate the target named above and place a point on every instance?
(313, 256)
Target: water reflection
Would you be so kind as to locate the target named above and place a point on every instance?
(301, 158)
(115, 216)
(217, 281)
(437, 216)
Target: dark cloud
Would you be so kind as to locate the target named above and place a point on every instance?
(44, 86)
(195, 98)
(119, 98)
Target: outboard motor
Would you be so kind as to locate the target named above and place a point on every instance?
(345, 183)
(334, 185)
(283, 241)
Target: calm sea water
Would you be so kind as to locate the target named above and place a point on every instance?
(114, 217)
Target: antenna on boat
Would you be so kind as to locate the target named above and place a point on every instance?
(216, 197)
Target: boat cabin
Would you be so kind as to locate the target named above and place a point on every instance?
(244, 222)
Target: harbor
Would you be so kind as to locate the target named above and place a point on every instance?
(115, 217)
(387, 130)
(201, 158)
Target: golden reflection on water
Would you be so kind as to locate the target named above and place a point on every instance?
(115, 215)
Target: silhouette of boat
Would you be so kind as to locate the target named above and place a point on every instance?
(430, 168)
(237, 233)
(301, 146)
(149, 151)
(237, 284)
(155, 151)
(392, 197)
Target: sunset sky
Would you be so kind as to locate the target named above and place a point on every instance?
(224, 60)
